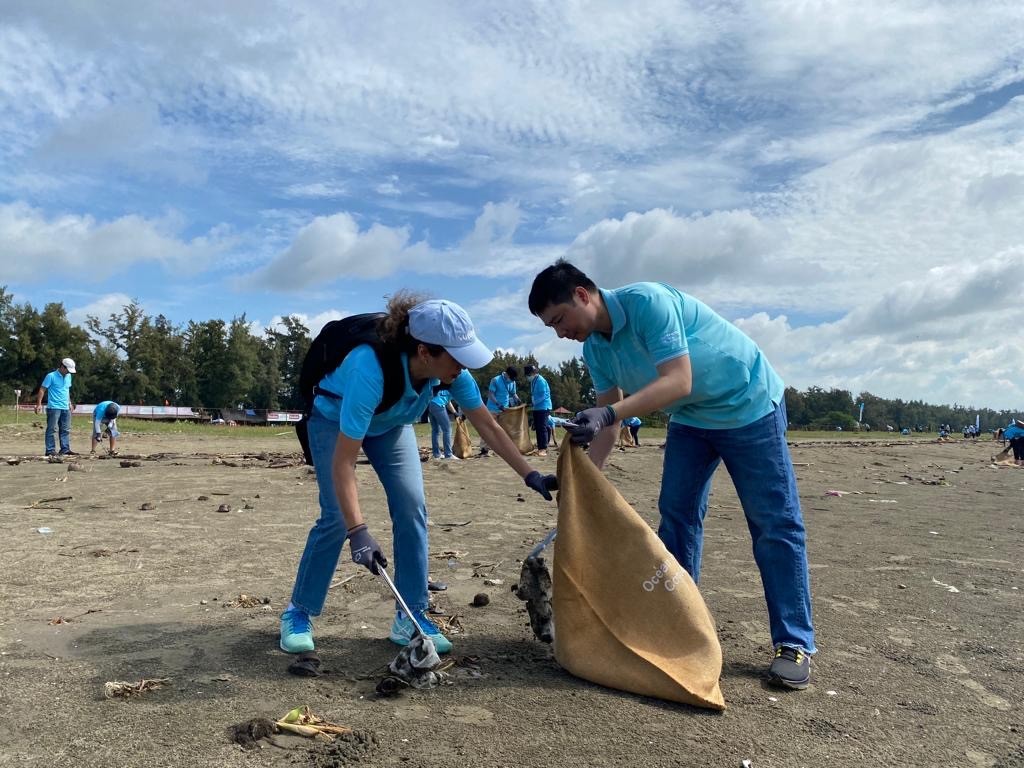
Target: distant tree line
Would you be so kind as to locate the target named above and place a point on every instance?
(135, 358)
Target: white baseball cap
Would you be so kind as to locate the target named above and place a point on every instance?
(68, 363)
(446, 324)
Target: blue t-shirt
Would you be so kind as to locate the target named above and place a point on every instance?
(58, 390)
(503, 390)
(652, 323)
(632, 421)
(99, 418)
(540, 393)
(1013, 431)
(441, 399)
(359, 381)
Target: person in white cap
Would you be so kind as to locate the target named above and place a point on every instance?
(428, 342)
(57, 388)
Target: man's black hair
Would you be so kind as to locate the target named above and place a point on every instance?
(512, 372)
(529, 369)
(555, 285)
(111, 412)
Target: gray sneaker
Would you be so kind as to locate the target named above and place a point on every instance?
(791, 668)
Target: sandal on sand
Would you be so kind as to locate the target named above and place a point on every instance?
(306, 665)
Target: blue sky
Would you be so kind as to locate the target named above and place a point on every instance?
(844, 181)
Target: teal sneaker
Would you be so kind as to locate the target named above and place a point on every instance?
(402, 631)
(296, 631)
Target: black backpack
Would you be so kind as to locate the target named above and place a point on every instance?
(328, 350)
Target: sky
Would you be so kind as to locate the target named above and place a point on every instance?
(843, 181)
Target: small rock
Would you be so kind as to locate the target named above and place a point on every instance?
(480, 599)
(204, 602)
(248, 506)
(14, 462)
(146, 506)
(75, 467)
(224, 508)
(126, 463)
(203, 498)
(901, 586)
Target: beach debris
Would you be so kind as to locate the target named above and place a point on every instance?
(480, 599)
(126, 463)
(833, 492)
(248, 601)
(534, 588)
(493, 582)
(123, 690)
(13, 462)
(54, 459)
(41, 503)
(203, 498)
(248, 734)
(302, 721)
(416, 666)
(306, 664)
(947, 587)
(224, 508)
(146, 506)
(75, 467)
(44, 529)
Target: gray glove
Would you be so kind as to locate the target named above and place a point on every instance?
(542, 484)
(588, 423)
(365, 549)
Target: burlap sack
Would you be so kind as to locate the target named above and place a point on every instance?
(462, 446)
(625, 437)
(517, 426)
(626, 613)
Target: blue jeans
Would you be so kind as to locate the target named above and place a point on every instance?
(540, 426)
(440, 424)
(395, 458)
(58, 419)
(759, 464)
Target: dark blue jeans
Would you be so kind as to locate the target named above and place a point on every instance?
(759, 464)
(540, 426)
(58, 419)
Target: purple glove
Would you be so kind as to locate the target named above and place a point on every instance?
(542, 484)
(588, 423)
(365, 549)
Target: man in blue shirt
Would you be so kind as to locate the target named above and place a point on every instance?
(440, 424)
(104, 417)
(57, 388)
(540, 398)
(673, 353)
(502, 392)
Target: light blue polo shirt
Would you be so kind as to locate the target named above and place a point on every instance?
(1013, 431)
(652, 323)
(359, 381)
(99, 419)
(58, 390)
(441, 399)
(540, 394)
(503, 390)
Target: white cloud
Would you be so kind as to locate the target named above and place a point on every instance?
(101, 308)
(92, 249)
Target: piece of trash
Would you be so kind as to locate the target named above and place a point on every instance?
(44, 529)
(772, 698)
(833, 492)
(224, 508)
(747, 764)
(122, 690)
(830, 693)
(947, 587)
(415, 665)
(480, 599)
(493, 582)
(901, 586)
(247, 734)
(128, 463)
(146, 506)
(934, 533)
(882, 501)
(303, 722)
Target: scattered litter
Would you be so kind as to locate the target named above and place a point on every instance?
(480, 599)
(75, 467)
(146, 506)
(303, 722)
(44, 529)
(416, 666)
(224, 508)
(947, 587)
(306, 664)
(833, 492)
(248, 601)
(830, 693)
(882, 501)
(128, 463)
(123, 690)
(247, 734)
(747, 764)
(772, 698)
(934, 533)
(493, 582)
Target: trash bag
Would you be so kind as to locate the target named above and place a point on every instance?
(626, 614)
(462, 445)
(517, 426)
